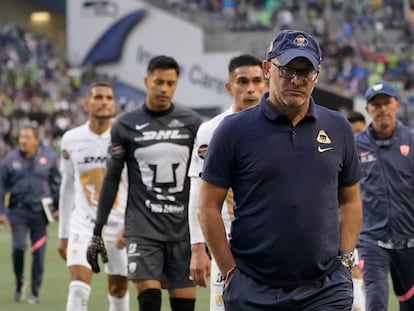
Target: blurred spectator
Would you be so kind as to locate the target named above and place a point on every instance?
(284, 18)
(37, 88)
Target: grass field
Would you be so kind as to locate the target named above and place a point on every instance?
(56, 280)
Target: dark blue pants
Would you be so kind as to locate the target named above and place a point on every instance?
(23, 221)
(334, 292)
(376, 262)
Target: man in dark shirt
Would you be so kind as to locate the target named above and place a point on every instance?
(294, 172)
(28, 174)
(155, 141)
(386, 242)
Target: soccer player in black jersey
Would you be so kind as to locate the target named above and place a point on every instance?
(155, 141)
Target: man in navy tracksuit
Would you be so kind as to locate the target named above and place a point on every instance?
(28, 174)
(386, 243)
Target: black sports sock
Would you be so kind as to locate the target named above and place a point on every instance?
(150, 300)
(182, 304)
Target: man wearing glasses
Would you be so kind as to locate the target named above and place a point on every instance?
(295, 175)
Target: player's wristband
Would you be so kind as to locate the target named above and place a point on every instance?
(347, 259)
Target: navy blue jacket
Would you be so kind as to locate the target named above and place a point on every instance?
(28, 180)
(387, 187)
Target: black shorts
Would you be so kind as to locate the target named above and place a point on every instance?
(167, 262)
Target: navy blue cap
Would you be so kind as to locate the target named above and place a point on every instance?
(381, 88)
(289, 44)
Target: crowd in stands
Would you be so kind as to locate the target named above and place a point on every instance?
(37, 87)
(362, 41)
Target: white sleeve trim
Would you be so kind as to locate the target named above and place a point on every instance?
(66, 199)
(196, 235)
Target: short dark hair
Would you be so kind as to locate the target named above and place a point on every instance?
(98, 84)
(243, 60)
(355, 116)
(163, 62)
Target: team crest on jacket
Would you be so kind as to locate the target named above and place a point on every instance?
(323, 138)
(42, 161)
(405, 150)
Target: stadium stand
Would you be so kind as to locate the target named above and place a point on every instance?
(363, 41)
(40, 88)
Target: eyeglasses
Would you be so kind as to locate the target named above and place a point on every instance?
(379, 103)
(306, 74)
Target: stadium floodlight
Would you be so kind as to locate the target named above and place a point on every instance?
(40, 17)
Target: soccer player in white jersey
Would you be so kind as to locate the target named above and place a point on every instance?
(83, 165)
(246, 83)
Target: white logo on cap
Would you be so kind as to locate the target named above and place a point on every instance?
(377, 87)
(300, 40)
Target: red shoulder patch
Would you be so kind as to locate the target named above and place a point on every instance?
(201, 151)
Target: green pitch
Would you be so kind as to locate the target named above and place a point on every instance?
(56, 279)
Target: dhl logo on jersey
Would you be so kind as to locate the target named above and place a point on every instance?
(161, 135)
(92, 159)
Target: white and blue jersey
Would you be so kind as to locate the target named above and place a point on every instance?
(83, 165)
(201, 143)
